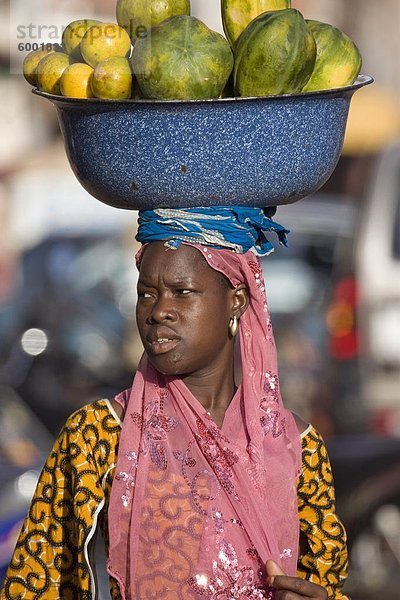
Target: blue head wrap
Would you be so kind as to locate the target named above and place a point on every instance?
(238, 228)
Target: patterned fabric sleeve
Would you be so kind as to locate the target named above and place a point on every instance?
(50, 559)
(325, 560)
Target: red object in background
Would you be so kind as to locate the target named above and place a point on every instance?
(386, 422)
(341, 320)
(8, 275)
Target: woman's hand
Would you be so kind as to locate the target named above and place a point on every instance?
(292, 588)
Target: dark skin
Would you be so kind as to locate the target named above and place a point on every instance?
(180, 297)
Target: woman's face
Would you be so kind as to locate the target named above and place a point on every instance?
(183, 310)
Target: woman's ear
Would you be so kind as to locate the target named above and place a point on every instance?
(240, 300)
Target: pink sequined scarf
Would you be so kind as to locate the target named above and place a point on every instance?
(196, 510)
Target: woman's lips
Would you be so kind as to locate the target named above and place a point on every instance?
(161, 347)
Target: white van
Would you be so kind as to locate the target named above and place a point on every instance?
(377, 261)
(364, 315)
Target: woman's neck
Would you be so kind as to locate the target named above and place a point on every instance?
(214, 389)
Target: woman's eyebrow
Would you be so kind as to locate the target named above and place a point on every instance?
(174, 283)
(183, 282)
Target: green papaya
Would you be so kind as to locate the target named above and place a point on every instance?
(338, 59)
(237, 14)
(274, 55)
(182, 60)
(138, 16)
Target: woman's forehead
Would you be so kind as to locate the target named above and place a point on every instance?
(185, 261)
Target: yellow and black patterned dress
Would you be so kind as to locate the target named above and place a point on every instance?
(52, 559)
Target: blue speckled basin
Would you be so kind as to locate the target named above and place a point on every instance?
(265, 151)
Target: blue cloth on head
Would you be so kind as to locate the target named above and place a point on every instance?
(238, 228)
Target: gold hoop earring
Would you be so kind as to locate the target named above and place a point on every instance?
(233, 326)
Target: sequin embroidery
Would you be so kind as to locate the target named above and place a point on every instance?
(229, 581)
(128, 478)
(210, 439)
(155, 425)
(258, 273)
(271, 421)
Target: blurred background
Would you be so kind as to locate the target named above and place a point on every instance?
(67, 286)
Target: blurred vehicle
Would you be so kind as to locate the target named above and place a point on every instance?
(363, 318)
(24, 445)
(63, 330)
(67, 332)
(298, 284)
(363, 321)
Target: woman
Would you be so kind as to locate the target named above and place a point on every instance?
(209, 481)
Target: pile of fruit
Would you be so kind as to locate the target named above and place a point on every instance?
(158, 51)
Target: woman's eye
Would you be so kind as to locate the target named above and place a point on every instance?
(144, 295)
(184, 292)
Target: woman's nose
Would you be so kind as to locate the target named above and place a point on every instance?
(162, 310)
